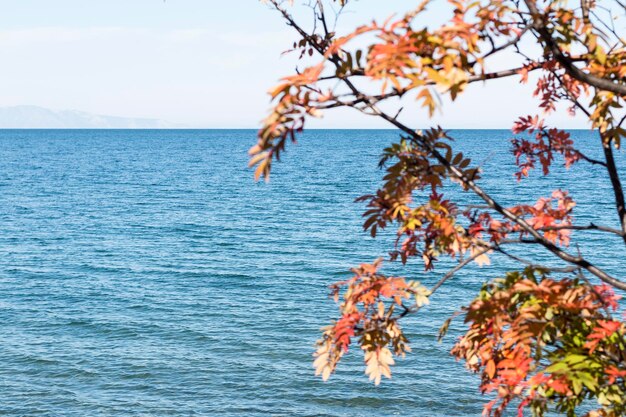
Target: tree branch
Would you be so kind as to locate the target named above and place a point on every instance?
(539, 26)
(400, 93)
(615, 183)
(446, 277)
(591, 226)
(468, 183)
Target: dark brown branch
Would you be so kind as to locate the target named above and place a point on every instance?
(400, 93)
(590, 160)
(609, 164)
(446, 277)
(322, 17)
(582, 156)
(510, 43)
(470, 79)
(565, 270)
(460, 266)
(540, 27)
(615, 183)
(584, 6)
(588, 227)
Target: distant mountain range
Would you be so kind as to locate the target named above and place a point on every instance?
(34, 117)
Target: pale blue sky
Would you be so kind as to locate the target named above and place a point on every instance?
(200, 63)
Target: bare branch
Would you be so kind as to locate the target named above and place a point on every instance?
(512, 42)
(615, 183)
(446, 277)
(565, 270)
(588, 227)
(460, 266)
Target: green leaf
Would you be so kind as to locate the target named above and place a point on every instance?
(558, 368)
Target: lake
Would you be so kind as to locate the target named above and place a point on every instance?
(145, 273)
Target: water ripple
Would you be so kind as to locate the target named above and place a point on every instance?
(144, 273)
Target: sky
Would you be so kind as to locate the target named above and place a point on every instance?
(196, 63)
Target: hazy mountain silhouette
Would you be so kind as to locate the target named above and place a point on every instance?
(34, 117)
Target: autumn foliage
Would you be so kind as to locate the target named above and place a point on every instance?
(540, 341)
(541, 338)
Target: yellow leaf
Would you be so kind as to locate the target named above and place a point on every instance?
(256, 158)
(482, 259)
(262, 170)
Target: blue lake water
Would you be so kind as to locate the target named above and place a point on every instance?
(144, 273)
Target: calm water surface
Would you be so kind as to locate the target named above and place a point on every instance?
(144, 273)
